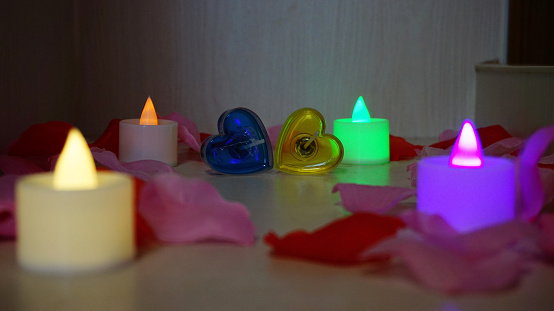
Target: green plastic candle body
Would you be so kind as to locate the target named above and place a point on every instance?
(364, 142)
(303, 146)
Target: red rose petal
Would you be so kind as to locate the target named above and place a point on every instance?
(340, 242)
(488, 136)
(109, 140)
(400, 149)
(41, 139)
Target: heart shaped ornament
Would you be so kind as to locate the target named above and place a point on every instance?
(303, 146)
(242, 146)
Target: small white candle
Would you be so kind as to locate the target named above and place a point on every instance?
(470, 191)
(148, 138)
(75, 219)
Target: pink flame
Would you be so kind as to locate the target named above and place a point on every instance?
(467, 151)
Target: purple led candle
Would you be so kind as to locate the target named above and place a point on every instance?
(467, 189)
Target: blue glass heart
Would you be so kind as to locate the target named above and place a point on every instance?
(242, 146)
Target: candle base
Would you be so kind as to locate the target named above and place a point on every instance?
(467, 198)
(74, 231)
(363, 142)
(148, 142)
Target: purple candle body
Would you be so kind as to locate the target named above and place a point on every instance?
(468, 190)
(468, 198)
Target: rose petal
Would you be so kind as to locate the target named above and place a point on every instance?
(186, 131)
(273, 133)
(518, 235)
(143, 169)
(488, 135)
(377, 199)
(515, 235)
(182, 210)
(339, 242)
(504, 147)
(17, 165)
(7, 206)
(547, 160)
(109, 140)
(428, 224)
(400, 149)
(547, 181)
(532, 193)
(428, 151)
(412, 169)
(546, 225)
(43, 139)
(445, 270)
(447, 135)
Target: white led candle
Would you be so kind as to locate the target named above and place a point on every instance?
(75, 219)
(148, 138)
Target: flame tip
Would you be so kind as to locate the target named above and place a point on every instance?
(148, 116)
(360, 113)
(75, 169)
(467, 150)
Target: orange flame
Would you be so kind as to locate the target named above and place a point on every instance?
(148, 116)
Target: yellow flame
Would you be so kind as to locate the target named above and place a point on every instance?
(148, 116)
(75, 169)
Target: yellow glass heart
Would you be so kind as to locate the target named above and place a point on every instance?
(303, 147)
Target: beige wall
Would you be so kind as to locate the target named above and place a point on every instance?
(413, 61)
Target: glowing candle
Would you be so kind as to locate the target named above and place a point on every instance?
(148, 138)
(75, 219)
(467, 189)
(365, 139)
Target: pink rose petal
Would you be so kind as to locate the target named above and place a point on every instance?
(447, 135)
(532, 193)
(427, 151)
(518, 236)
(182, 210)
(486, 259)
(186, 131)
(428, 224)
(7, 205)
(446, 270)
(273, 133)
(504, 147)
(412, 169)
(143, 169)
(376, 199)
(547, 181)
(547, 160)
(18, 165)
(546, 225)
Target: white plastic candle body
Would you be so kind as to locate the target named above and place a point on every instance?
(363, 142)
(73, 231)
(148, 142)
(468, 198)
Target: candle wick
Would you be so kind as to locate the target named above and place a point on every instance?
(307, 144)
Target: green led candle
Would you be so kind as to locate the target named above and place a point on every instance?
(365, 139)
